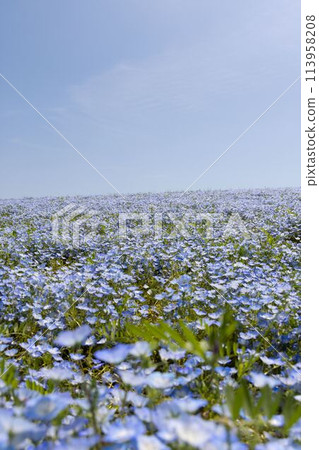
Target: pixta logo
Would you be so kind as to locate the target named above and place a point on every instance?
(73, 225)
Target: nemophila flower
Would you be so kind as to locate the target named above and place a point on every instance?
(184, 380)
(125, 430)
(199, 312)
(83, 403)
(5, 340)
(97, 364)
(89, 341)
(11, 352)
(24, 394)
(272, 361)
(144, 414)
(55, 352)
(124, 365)
(192, 430)
(150, 443)
(183, 282)
(224, 361)
(139, 401)
(225, 371)
(260, 380)
(73, 337)
(140, 348)
(215, 315)
(193, 361)
(78, 378)
(170, 354)
(92, 320)
(80, 443)
(114, 355)
(120, 397)
(170, 308)
(222, 410)
(132, 378)
(277, 421)
(249, 335)
(295, 431)
(104, 413)
(189, 404)
(116, 396)
(76, 356)
(46, 407)
(294, 378)
(276, 444)
(267, 294)
(71, 425)
(250, 352)
(267, 316)
(56, 373)
(159, 380)
(180, 370)
(31, 342)
(15, 430)
(3, 386)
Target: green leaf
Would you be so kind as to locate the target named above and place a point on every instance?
(172, 333)
(235, 400)
(291, 412)
(248, 401)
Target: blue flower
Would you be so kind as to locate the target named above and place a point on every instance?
(249, 335)
(56, 373)
(225, 371)
(47, 407)
(277, 421)
(125, 430)
(76, 356)
(189, 404)
(15, 430)
(159, 380)
(150, 443)
(170, 354)
(114, 355)
(132, 378)
(193, 430)
(272, 361)
(140, 348)
(73, 337)
(260, 380)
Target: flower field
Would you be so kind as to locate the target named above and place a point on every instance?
(187, 340)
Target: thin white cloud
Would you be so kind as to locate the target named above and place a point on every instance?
(173, 82)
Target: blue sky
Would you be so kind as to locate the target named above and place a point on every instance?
(150, 92)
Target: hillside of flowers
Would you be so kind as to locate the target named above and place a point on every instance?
(184, 339)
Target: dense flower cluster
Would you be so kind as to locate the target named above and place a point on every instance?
(187, 341)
